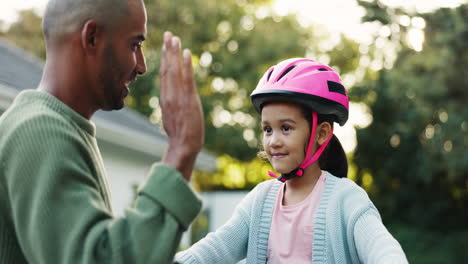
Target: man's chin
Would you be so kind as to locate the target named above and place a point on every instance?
(118, 107)
(119, 103)
(114, 107)
(125, 92)
(116, 104)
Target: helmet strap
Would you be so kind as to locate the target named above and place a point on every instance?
(299, 171)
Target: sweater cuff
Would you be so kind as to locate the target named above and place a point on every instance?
(167, 186)
(185, 258)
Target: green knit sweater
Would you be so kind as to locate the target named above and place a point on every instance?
(54, 198)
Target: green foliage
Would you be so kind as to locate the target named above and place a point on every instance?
(416, 147)
(27, 33)
(375, 11)
(232, 175)
(2, 25)
(429, 246)
(232, 46)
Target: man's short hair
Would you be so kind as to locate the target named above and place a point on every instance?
(62, 17)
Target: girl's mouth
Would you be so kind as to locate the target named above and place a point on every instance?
(278, 155)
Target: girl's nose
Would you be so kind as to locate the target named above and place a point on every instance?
(275, 140)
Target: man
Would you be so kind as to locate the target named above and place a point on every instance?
(54, 199)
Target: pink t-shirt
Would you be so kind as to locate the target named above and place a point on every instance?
(292, 228)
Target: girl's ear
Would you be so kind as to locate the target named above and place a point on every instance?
(323, 132)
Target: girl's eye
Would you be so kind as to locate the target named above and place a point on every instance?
(286, 128)
(267, 130)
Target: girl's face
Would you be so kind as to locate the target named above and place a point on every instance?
(285, 135)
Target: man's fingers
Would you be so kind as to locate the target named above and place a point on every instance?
(176, 59)
(171, 68)
(176, 44)
(189, 82)
(167, 44)
(168, 39)
(175, 74)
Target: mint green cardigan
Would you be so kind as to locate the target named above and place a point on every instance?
(347, 229)
(54, 198)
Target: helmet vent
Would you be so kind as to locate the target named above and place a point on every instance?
(286, 72)
(322, 69)
(335, 87)
(269, 74)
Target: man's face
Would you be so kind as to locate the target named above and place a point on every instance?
(122, 58)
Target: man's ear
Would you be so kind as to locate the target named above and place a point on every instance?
(323, 132)
(89, 36)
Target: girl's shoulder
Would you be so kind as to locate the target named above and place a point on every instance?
(267, 187)
(344, 185)
(263, 190)
(262, 196)
(347, 193)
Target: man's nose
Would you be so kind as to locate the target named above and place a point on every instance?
(141, 63)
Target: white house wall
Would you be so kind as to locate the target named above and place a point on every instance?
(221, 205)
(124, 170)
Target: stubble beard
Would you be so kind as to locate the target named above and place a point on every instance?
(113, 95)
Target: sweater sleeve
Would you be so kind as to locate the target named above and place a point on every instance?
(228, 244)
(59, 211)
(374, 243)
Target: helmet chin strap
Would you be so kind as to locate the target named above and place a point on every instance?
(299, 171)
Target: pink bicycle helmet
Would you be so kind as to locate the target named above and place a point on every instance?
(308, 83)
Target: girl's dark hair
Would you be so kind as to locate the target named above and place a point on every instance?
(333, 158)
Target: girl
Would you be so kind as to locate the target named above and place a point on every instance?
(312, 213)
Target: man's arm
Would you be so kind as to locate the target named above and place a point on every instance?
(59, 213)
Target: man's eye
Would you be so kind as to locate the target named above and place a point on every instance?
(137, 46)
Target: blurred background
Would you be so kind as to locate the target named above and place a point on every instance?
(404, 63)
